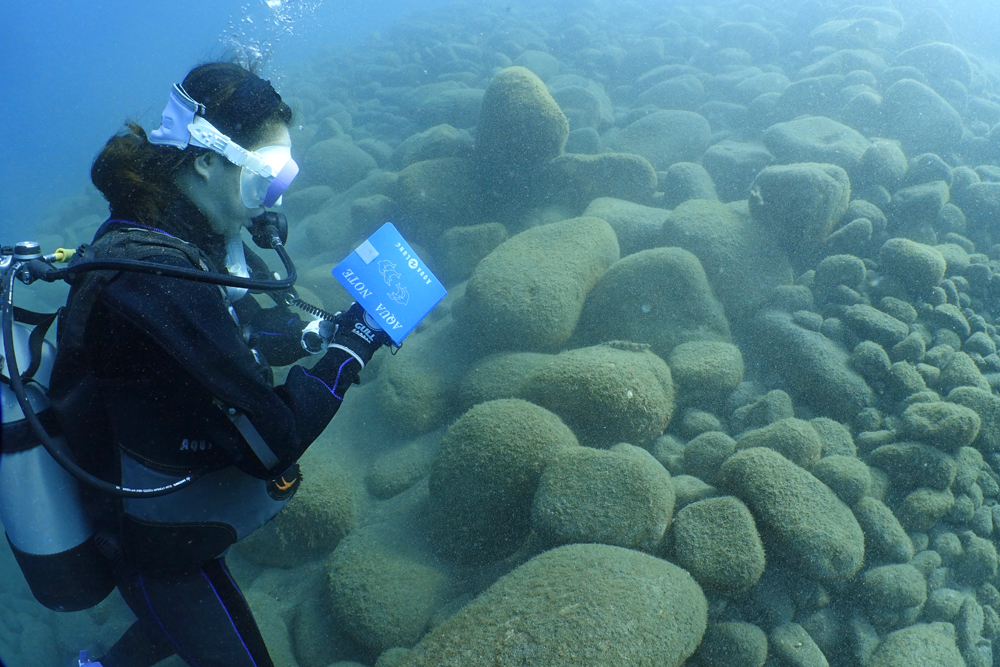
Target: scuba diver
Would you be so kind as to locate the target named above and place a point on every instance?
(163, 383)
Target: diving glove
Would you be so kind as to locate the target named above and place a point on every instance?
(352, 330)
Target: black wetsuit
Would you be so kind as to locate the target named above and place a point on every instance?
(148, 373)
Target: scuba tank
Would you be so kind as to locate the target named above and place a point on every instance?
(41, 510)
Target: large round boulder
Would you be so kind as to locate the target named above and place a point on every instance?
(528, 293)
(666, 137)
(802, 518)
(660, 297)
(519, 124)
(716, 540)
(816, 139)
(920, 119)
(379, 596)
(606, 394)
(575, 605)
(621, 497)
(485, 474)
(336, 163)
(802, 203)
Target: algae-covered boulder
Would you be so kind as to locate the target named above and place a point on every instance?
(883, 164)
(434, 195)
(705, 371)
(795, 439)
(885, 539)
(816, 139)
(583, 100)
(800, 202)
(484, 476)
(716, 540)
(380, 597)
(683, 181)
(733, 166)
(437, 142)
(847, 476)
(336, 163)
(637, 227)
(892, 593)
(660, 297)
(961, 371)
(917, 266)
(459, 249)
(606, 395)
(945, 425)
(416, 392)
(801, 517)
(872, 324)
(814, 366)
(705, 453)
(544, 65)
(621, 497)
(920, 644)
(314, 521)
(395, 471)
(733, 644)
(924, 507)
(577, 180)
(742, 258)
(666, 137)
(922, 120)
(500, 375)
(519, 124)
(529, 292)
(575, 605)
(938, 61)
(987, 406)
(911, 464)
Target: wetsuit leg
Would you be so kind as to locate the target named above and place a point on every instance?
(201, 616)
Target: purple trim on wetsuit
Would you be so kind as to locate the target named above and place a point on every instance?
(137, 224)
(228, 615)
(336, 380)
(225, 571)
(180, 652)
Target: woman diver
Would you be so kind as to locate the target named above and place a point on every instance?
(157, 378)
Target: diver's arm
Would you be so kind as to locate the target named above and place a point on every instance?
(276, 331)
(190, 322)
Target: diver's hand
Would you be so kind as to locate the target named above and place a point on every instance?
(357, 333)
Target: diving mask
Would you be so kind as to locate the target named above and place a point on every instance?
(266, 173)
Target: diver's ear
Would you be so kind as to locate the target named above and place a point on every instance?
(206, 164)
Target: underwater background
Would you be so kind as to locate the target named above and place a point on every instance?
(716, 380)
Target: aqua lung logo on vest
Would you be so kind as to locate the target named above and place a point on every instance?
(189, 445)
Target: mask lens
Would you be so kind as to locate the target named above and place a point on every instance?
(257, 190)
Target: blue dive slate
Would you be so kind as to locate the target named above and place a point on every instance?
(393, 285)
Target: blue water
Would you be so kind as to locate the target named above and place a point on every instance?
(73, 71)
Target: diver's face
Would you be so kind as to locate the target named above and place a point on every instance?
(224, 208)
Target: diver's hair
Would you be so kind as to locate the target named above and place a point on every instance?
(139, 178)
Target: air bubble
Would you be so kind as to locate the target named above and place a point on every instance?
(646, 308)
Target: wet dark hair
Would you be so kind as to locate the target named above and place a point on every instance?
(139, 178)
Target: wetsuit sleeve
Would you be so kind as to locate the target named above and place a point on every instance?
(190, 322)
(275, 332)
